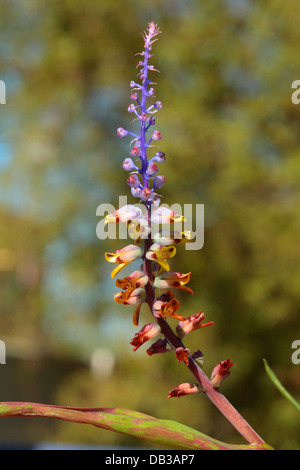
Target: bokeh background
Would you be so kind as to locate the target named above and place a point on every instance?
(232, 141)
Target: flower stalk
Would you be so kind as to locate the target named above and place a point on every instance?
(155, 255)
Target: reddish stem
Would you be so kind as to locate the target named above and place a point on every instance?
(217, 398)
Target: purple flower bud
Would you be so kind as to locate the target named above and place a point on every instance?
(136, 192)
(133, 181)
(121, 132)
(135, 151)
(159, 181)
(146, 195)
(152, 170)
(159, 157)
(151, 67)
(152, 121)
(132, 84)
(134, 96)
(158, 105)
(151, 91)
(131, 108)
(128, 165)
(156, 135)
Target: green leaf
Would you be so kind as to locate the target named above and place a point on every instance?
(279, 386)
(162, 432)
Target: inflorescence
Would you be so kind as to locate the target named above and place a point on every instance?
(142, 285)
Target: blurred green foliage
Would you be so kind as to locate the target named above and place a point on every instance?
(231, 136)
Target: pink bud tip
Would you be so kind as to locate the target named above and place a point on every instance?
(121, 132)
(131, 108)
(156, 135)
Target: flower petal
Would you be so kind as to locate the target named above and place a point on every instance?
(124, 214)
(166, 237)
(185, 389)
(164, 215)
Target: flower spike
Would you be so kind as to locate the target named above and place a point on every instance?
(154, 273)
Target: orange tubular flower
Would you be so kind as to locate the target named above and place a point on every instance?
(130, 297)
(220, 372)
(123, 257)
(135, 279)
(132, 294)
(194, 322)
(148, 331)
(172, 279)
(167, 309)
(182, 355)
(185, 389)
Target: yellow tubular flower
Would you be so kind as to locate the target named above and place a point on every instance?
(160, 253)
(123, 257)
(165, 237)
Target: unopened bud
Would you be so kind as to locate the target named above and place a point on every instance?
(159, 157)
(128, 165)
(121, 132)
(135, 192)
(159, 181)
(133, 181)
(156, 135)
(131, 108)
(135, 151)
(152, 170)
